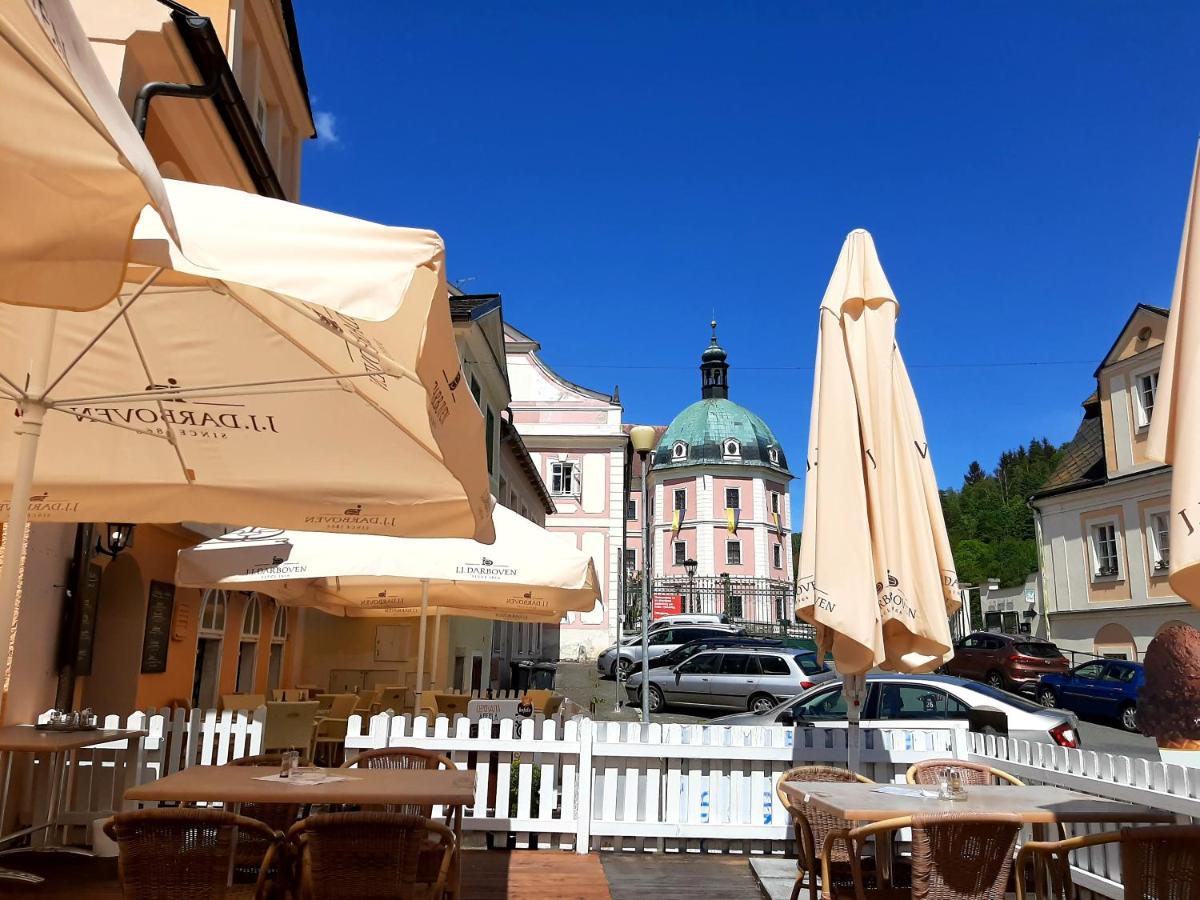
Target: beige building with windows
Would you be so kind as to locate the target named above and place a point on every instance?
(1101, 519)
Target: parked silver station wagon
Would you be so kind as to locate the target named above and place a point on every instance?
(742, 678)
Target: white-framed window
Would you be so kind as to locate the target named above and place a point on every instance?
(1145, 387)
(631, 509)
(679, 450)
(731, 449)
(1106, 554)
(248, 645)
(680, 499)
(278, 641)
(212, 616)
(279, 628)
(679, 548)
(564, 478)
(773, 455)
(1158, 539)
(777, 556)
(733, 498)
(733, 553)
(776, 505)
(630, 560)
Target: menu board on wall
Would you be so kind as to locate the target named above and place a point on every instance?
(89, 599)
(158, 627)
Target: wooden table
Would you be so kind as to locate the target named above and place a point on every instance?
(1036, 804)
(57, 746)
(240, 784)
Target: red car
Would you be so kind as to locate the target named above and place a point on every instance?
(1006, 661)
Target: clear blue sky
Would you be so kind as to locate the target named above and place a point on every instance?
(618, 173)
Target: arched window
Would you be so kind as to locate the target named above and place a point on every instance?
(212, 616)
(248, 645)
(679, 450)
(773, 455)
(209, 640)
(732, 449)
(279, 632)
(1115, 641)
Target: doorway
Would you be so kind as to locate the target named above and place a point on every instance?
(206, 679)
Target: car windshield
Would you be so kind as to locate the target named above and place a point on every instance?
(1038, 649)
(1004, 697)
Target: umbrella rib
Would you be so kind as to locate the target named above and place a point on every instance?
(122, 310)
(188, 475)
(18, 393)
(219, 390)
(141, 431)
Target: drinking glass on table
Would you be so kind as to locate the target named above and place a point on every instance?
(950, 785)
(289, 761)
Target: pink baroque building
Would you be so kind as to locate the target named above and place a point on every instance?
(578, 446)
(720, 488)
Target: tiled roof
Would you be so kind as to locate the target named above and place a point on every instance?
(1083, 460)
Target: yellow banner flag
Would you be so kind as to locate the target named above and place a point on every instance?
(675, 522)
(778, 523)
(732, 516)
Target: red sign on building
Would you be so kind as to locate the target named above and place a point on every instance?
(666, 605)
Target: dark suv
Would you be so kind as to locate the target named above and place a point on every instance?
(1010, 662)
(691, 648)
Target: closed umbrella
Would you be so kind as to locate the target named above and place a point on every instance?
(1175, 424)
(74, 173)
(876, 573)
(525, 575)
(241, 391)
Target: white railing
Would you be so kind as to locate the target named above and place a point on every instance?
(1171, 788)
(582, 785)
(620, 785)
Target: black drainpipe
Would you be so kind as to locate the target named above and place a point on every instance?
(221, 87)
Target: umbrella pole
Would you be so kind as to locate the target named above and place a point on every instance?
(437, 643)
(421, 646)
(855, 689)
(32, 409)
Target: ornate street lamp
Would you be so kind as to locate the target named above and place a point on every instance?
(114, 538)
(643, 439)
(689, 566)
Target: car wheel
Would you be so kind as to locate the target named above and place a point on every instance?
(623, 665)
(761, 703)
(1129, 717)
(996, 679)
(656, 699)
(1047, 698)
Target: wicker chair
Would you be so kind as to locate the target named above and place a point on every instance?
(955, 856)
(812, 826)
(926, 773)
(251, 847)
(370, 856)
(1158, 862)
(183, 854)
(401, 758)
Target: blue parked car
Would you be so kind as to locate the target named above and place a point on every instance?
(1102, 688)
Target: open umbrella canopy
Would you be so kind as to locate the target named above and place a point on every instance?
(74, 173)
(876, 574)
(1175, 425)
(244, 391)
(527, 572)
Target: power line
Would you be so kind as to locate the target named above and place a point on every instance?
(951, 365)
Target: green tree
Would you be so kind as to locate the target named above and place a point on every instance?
(988, 520)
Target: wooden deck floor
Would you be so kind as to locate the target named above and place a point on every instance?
(487, 875)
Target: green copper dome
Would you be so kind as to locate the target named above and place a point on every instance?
(701, 435)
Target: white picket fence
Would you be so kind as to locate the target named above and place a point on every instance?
(623, 786)
(582, 785)
(1171, 788)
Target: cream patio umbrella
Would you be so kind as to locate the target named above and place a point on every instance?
(244, 392)
(876, 577)
(526, 575)
(74, 173)
(1175, 426)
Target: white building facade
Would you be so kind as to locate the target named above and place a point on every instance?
(1101, 519)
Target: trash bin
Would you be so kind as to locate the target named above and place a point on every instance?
(520, 674)
(543, 676)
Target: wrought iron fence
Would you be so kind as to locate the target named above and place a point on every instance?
(763, 606)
